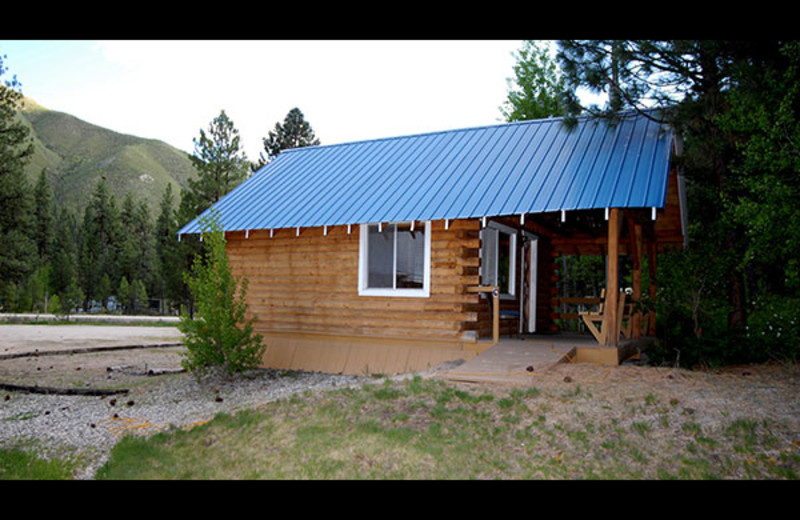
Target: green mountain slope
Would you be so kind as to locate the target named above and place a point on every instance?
(76, 154)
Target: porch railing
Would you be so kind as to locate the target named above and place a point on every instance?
(556, 303)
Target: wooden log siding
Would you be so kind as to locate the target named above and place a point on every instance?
(309, 284)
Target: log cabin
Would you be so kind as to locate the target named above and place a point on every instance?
(393, 255)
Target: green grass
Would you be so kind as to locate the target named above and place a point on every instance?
(19, 464)
(426, 429)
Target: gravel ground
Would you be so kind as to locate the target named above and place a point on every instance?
(90, 425)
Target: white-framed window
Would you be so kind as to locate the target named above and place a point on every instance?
(394, 259)
(499, 258)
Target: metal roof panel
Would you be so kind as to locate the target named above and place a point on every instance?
(505, 169)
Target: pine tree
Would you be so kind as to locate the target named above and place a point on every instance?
(104, 290)
(169, 286)
(124, 294)
(138, 296)
(735, 106)
(72, 297)
(64, 259)
(43, 217)
(99, 241)
(136, 243)
(295, 132)
(538, 88)
(17, 248)
(221, 165)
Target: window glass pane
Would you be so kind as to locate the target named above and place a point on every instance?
(410, 257)
(380, 256)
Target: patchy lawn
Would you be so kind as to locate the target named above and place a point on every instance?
(576, 422)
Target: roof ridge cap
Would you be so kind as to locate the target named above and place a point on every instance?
(429, 133)
(552, 119)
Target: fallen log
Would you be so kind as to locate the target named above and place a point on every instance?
(162, 371)
(86, 350)
(138, 371)
(61, 391)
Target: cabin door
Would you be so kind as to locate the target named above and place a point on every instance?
(530, 250)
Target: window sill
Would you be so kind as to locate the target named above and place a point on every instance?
(395, 293)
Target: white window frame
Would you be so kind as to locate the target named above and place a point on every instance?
(490, 278)
(363, 266)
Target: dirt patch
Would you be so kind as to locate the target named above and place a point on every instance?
(769, 392)
(120, 368)
(27, 339)
(85, 356)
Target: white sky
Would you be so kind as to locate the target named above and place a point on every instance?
(347, 90)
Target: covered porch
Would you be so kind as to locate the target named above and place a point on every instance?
(619, 309)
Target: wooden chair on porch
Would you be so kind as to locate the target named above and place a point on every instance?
(596, 321)
(628, 321)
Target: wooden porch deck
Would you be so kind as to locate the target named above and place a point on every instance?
(518, 360)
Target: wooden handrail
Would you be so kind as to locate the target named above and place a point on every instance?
(495, 290)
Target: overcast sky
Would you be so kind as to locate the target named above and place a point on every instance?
(347, 90)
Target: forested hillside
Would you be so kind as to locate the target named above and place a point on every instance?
(76, 154)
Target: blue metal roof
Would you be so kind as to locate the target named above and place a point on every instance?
(505, 169)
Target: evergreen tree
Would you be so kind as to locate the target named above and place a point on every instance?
(764, 118)
(128, 258)
(735, 106)
(136, 243)
(221, 166)
(220, 163)
(72, 297)
(99, 241)
(295, 132)
(538, 89)
(17, 247)
(138, 296)
(43, 217)
(169, 258)
(124, 294)
(685, 79)
(64, 258)
(104, 290)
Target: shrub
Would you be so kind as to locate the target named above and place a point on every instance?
(773, 326)
(218, 335)
(693, 318)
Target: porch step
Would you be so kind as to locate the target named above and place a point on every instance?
(513, 361)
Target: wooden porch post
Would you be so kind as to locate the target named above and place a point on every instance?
(652, 252)
(612, 287)
(635, 232)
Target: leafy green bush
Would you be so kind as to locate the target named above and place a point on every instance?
(773, 325)
(693, 318)
(218, 335)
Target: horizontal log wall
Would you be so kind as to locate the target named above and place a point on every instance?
(309, 284)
